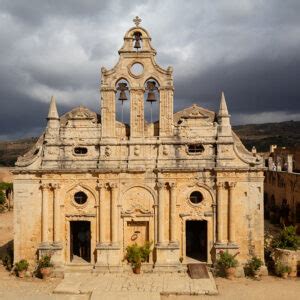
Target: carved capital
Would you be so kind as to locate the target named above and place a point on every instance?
(54, 186)
(172, 185)
(44, 186)
(231, 185)
(160, 185)
(113, 185)
(100, 185)
(220, 185)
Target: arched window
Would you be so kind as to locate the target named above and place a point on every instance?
(196, 197)
(80, 198)
(152, 100)
(122, 101)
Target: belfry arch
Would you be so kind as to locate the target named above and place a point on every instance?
(138, 66)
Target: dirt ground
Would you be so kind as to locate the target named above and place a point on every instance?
(269, 287)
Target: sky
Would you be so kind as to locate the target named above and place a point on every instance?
(250, 49)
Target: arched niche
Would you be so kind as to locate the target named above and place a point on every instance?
(151, 98)
(122, 88)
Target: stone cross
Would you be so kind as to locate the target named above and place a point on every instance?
(137, 21)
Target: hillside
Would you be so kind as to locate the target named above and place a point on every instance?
(259, 135)
(285, 134)
(10, 150)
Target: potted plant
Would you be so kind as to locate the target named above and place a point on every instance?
(136, 255)
(45, 266)
(226, 264)
(252, 267)
(282, 270)
(21, 267)
(285, 252)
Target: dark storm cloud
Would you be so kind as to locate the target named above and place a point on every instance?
(247, 48)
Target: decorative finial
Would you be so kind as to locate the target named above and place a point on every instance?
(137, 21)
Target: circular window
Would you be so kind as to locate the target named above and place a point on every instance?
(80, 198)
(196, 197)
(137, 69)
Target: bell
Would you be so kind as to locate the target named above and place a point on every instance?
(137, 39)
(122, 96)
(137, 44)
(151, 97)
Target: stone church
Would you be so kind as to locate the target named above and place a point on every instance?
(94, 184)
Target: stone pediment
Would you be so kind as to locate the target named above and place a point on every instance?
(79, 113)
(194, 112)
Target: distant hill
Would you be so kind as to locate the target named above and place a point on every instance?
(259, 135)
(285, 134)
(10, 150)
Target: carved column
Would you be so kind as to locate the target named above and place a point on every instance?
(108, 112)
(231, 217)
(136, 112)
(161, 213)
(56, 214)
(172, 212)
(114, 214)
(166, 111)
(44, 188)
(101, 214)
(220, 231)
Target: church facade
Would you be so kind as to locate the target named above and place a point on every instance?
(92, 184)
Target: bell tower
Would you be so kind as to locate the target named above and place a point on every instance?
(137, 66)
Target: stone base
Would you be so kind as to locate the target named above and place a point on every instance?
(167, 258)
(108, 259)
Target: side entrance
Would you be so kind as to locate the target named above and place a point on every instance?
(196, 240)
(80, 241)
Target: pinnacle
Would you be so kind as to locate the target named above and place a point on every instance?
(53, 114)
(223, 111)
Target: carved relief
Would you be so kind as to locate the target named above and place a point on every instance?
(137, 199)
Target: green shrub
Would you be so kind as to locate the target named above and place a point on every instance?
(281, 268)
(253, 265)
(22, 265)
(44, 262)
(287, 239)
(2, 197)
(135, 254)
(226, 261)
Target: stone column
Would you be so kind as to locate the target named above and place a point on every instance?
(101, 213)
(231, 217)
(172, 212)
(166, 111)
(56, 214)
(114, 214)
(161, 213)
(108, 112)
(220, 236)
(44, 189)
(137, 121)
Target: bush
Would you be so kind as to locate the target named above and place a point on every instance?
(22, 265)
(287, 239)
(44, 262)
(253, 265)
(281, 268)
(226, 261)
(135, 254)
(2, 198)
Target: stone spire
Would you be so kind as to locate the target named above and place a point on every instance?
(223, 111)
(53, 117)
(224, 129)
(53, 114)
